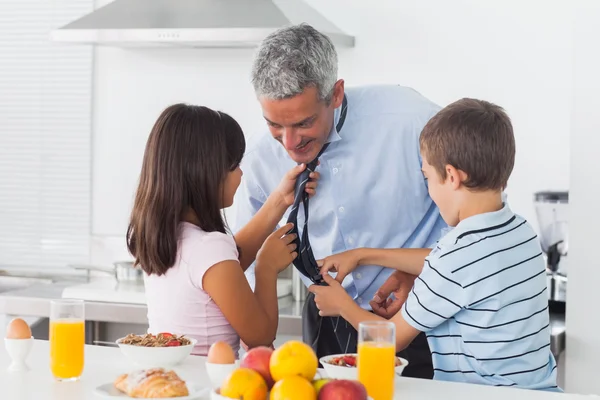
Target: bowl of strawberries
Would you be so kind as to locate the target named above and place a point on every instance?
(343, 366)
(156, 350)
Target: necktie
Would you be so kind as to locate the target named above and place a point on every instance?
(305, 263)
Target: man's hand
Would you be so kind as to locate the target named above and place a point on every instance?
(400, 284)
(330, 299)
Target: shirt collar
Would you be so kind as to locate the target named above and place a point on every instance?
(479, 221)
(334, 135)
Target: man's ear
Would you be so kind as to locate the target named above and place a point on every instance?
(338, 93)
(455, 177)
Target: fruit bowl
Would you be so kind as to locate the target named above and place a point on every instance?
(290, 371)
(156, 357)
(348, 372)
(214, 395)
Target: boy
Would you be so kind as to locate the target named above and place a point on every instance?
(480, 294)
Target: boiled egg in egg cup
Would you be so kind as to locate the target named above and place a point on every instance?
(220, 362)
(18, 342)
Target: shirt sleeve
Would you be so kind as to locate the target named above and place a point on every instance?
(214, 248)
(435, 297)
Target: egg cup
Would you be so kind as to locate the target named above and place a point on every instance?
(217, 373)
(18, 350)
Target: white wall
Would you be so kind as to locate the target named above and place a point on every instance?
(514, 53)
(583, 296)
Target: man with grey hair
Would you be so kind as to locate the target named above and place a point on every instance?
(371, 191)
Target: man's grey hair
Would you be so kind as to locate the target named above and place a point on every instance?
(293, 58)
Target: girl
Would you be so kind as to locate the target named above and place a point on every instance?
(194, 271)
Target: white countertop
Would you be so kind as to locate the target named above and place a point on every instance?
(104, 364)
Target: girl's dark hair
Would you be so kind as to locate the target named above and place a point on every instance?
(188, 155)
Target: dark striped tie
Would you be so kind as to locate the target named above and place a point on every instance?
(334, 336)
(305, 263)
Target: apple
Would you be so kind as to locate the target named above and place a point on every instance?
(258, 359)
(319, 383)
(343, 389)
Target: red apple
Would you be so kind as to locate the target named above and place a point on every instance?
(258, 359)
(343, 389)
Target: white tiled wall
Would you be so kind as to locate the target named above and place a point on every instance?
(517, 58)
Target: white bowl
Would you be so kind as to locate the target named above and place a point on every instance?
(217, 373)
(156, 357)
(339, 372)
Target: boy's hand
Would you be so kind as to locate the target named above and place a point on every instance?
(342, 263)
(330, 299)
(400, 284)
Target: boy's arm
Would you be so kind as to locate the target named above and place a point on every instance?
(405, 260)
(435, 298)
(405, 333)
(333, 300)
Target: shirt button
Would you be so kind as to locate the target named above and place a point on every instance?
(335, 170)
(350, 240)
(359, 300)
(358, 275)
(341, 209)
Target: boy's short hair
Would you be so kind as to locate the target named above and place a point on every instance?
(474, 136)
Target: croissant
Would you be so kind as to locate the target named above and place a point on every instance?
(151, 383)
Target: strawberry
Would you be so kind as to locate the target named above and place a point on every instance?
(173, 343)
(166, 335)
(350, 360)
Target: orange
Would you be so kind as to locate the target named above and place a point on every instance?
(293, 388)
(244, 383)
(293, 358)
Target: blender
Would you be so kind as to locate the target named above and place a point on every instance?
(552, 214)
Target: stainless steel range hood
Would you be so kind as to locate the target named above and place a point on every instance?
(193, 23)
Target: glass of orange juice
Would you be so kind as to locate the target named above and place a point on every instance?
(67, 339)
(376, 359)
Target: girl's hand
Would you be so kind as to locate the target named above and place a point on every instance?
(285, 190)
(278, 251)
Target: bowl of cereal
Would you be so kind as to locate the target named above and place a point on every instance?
(343, 366)
(156, 351)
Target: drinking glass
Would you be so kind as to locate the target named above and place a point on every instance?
(377, 358)
(67, 339)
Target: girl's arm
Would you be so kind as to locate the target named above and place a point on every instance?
(251, 237)
(253, 315)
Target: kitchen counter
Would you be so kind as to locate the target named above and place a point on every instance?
(35, 301)
(104, 364)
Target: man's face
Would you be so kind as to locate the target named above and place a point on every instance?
(302, 123)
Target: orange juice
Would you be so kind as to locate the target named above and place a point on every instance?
(67, 340)
(376, 369)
